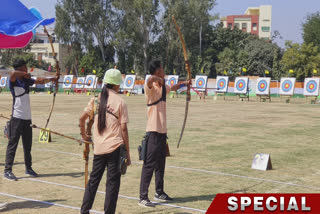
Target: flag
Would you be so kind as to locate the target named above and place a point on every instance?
(17, 23)
(132, 71)
(315, 71)
(225, 72)
(291, 71)
(31, 70)
(49, 68)
(70, 71)
(94, 72)
(244, 70)
(82, 70)
(266, 72)
(174, 71)
(202, 70)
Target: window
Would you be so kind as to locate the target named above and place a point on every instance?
(229, 25)
(236, 25)
(244, 26)
(265, 29)
(254, 26)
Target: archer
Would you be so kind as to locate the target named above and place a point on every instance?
(20, 81)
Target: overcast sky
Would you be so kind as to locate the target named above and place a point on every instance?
(287, 15)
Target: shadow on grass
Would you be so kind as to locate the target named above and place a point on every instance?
(18, 163)
(22, 205)
(73, 175)
(245, 190)
(194, 198)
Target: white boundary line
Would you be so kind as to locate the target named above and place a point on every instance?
(122, 196)
(210, 172)
(45, 202)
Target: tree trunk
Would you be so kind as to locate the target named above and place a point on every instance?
(200, 38)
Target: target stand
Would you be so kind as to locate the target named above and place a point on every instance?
(241, 88)
(286, 98)
(264, 98)
(311, 99)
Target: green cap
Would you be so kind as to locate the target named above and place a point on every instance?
(112, 76)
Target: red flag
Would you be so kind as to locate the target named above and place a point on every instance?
(82, 70)
(31, 70)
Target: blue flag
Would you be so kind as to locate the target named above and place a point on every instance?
(16, 19)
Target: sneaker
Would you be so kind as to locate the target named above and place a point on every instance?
(31, 173)
(146, 203)
(3, 206)
(10, 176)
(162, 197)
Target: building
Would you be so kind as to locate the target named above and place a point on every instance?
(42, 50)
(256, 20)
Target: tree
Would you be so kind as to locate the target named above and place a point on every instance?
(140, 18)
(311, 29)
(302, 59)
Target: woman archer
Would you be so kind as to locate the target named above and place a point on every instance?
(109, 133)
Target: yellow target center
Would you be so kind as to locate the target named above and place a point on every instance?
(287, 85)
(262, 85)
(311, 86)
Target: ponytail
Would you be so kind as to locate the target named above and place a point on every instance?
(104, 96)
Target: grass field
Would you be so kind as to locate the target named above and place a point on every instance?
(215, 155)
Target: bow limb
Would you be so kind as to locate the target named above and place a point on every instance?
(187, 67)
(57, 75)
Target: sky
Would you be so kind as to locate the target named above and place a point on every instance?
(287, 15)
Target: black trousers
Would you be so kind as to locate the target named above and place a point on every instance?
(100, 162)
(19, 127)
(155, 161)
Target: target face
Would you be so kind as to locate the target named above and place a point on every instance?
(222, 83)
(262, 86)
(172, 81)
(80, 82)
(241, 85)
(200, 83)
(89, 83)
(311, 87)
(286, 86)
(3, 81)
(129, 81)
(67, 81)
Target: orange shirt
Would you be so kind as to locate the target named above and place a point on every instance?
(157, 114)
(111, 138)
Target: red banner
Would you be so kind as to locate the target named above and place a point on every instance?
(265, 203)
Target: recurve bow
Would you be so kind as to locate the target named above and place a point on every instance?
(187, 67)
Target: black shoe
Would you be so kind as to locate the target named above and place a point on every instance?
(146, 203)
(10, 176)
(162, 197)
(31, 173)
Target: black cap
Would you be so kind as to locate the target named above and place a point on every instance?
(18, 63)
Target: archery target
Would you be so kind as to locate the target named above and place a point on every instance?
(90, 81)
(263, 86)
(80, 82)
(201, 83)
(241, 85)
(172, 80)
(67, 81)
(146, 79)
(3, 82)
(129, 81)
(222, 84)
(311, 87)
(34, 85)
(287, 86)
